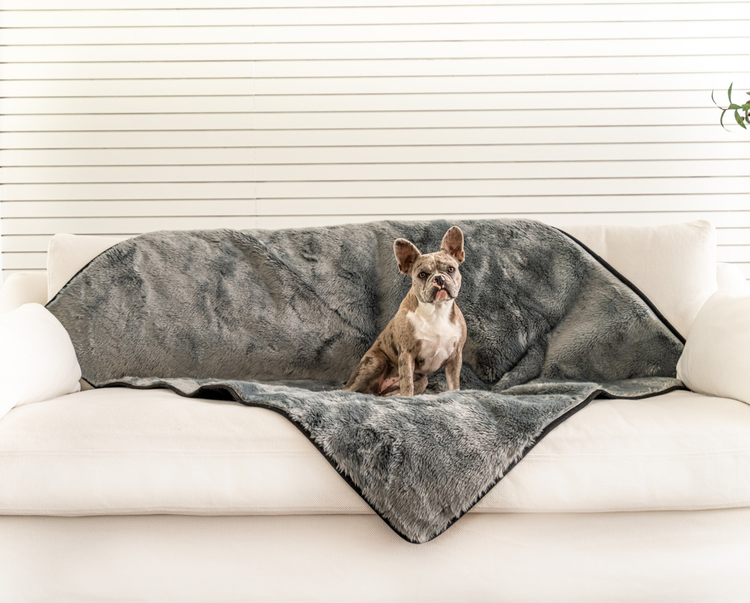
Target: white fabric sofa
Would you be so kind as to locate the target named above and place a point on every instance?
(132, 495)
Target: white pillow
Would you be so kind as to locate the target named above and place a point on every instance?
(730, 279)
(674, 265)
(37, 359)
(716, 359)
(22, 288)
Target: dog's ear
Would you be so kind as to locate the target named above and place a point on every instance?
(453, 244)
(406, 254)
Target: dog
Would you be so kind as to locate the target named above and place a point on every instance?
(428, 331)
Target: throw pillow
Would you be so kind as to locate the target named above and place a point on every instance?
(37, 359)
(716, 359)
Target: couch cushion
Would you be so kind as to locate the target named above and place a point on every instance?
(67, 254)
(716, 358)
(23, 288)
(37, 359)
(674, 265)
(121, 451)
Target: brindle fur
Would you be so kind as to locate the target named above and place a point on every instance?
(394, 363)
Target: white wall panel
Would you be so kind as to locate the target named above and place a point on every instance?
(123, 116)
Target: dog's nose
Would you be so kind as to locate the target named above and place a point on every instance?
(440, 280)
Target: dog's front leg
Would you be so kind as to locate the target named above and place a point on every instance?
(453, 370)
(406, 373)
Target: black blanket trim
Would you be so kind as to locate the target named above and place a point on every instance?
(209, 392)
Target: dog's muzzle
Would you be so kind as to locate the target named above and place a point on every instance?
(439, 284)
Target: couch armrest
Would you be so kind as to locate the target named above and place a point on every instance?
(730, 279)
(23, 288)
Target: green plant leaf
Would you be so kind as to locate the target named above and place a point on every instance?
(729, 92)
(721, 119)
(739, 120)
(733, 106)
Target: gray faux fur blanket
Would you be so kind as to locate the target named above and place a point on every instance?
(279, 319)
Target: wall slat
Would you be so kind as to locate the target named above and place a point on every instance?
(453, 188)
(366, 173)
(357, 120)
(367, 138)
(343, 103)
(24, 261)
(541, 83)
(109, 208)
(479, 51)
(128, 190)
(676, 204)
(501, 67)
(369, 15)
(733, 253)
(121, 225)
(732, 236)
(354, 33)
(71, 5)
(379, 156)
(361, 86)
(556, 219)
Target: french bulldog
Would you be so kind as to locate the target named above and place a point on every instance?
(428, 331)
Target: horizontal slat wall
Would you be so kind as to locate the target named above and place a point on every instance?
(123, 116)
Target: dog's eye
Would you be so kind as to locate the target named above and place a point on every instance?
(422, 275)
(451, 269)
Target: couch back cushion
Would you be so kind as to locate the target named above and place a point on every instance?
(67, 254)
(37, 358)
(673, 265)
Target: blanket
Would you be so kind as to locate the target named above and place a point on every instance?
(279, 319)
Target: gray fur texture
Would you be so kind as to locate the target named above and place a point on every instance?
(216, 313)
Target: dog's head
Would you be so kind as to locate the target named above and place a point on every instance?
(435, 276)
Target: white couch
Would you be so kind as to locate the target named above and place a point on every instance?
(126, 495)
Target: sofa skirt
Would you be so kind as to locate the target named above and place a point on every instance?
(684, 556)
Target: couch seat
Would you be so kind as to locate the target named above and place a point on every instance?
(120, 451)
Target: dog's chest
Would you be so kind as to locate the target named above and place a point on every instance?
(437, 334)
